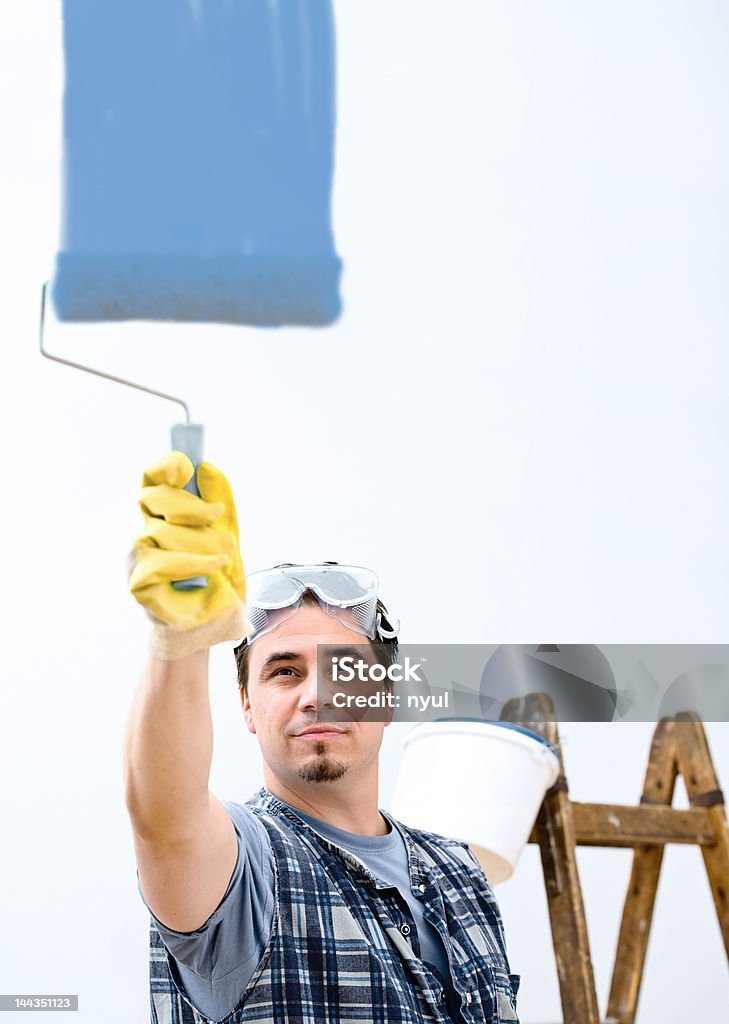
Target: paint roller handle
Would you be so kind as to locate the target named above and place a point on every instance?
(188, 439)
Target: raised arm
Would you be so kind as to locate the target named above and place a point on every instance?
(185, 842)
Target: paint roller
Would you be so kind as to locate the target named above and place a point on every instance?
(186, 437)
(198, 163)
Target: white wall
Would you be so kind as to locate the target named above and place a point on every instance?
(520, 422)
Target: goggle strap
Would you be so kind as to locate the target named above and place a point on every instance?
(387, 634)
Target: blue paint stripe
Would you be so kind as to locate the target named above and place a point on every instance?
(198, 162)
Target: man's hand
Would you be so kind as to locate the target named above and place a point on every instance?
(185, 536)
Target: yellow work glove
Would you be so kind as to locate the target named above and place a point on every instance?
(185, 536)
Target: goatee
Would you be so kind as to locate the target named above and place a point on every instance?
(322, 768)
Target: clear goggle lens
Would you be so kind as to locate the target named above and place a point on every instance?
(346, 592)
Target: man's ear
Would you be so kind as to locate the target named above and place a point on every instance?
(247, 710)
(389, 711)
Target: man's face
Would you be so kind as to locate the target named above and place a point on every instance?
(282, 703)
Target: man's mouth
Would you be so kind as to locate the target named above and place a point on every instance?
(319, 731)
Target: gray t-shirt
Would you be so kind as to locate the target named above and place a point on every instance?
(217, 961)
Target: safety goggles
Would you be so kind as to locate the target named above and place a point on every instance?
(346, 592)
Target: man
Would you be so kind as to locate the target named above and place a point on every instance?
(308, 903)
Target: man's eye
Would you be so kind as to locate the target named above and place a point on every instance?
(282, 671)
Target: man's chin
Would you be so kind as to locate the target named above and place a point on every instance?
(321, 768)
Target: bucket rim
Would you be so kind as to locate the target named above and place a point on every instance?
(512, 726)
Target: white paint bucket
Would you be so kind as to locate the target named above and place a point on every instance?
(480, 782)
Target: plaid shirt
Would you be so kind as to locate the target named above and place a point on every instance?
(344, 945)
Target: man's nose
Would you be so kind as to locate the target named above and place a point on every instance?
(309, 691)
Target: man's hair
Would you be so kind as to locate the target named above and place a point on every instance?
(385, 648)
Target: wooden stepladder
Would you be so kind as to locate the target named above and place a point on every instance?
(679, 746)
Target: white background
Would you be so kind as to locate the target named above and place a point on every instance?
(520, 422)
